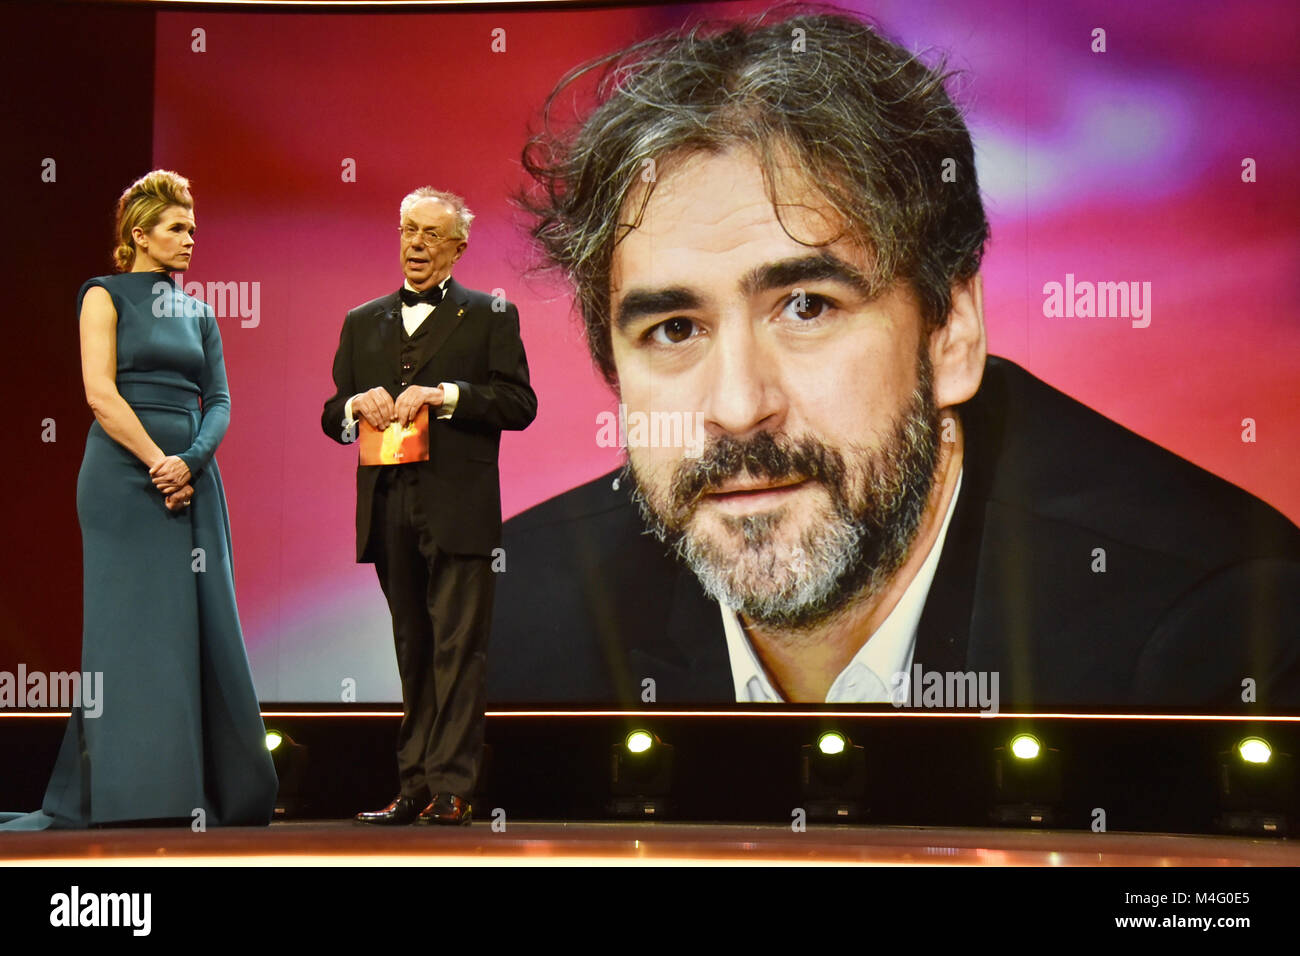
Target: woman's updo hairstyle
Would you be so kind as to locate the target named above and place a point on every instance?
(142, 205)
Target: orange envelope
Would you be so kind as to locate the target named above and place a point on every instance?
(396, 445)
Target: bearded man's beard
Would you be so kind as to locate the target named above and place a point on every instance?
(847, 552)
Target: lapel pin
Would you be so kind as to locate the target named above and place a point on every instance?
(460, 313)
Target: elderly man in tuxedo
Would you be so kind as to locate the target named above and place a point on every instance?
(430, 527)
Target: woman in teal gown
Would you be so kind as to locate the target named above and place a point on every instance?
(178, 736)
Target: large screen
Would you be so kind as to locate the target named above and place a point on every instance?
(1137, 167)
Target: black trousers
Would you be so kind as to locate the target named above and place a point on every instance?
(442, 614)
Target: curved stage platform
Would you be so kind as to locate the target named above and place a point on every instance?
(344, 843)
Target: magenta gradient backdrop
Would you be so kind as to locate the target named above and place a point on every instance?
(1117, 166)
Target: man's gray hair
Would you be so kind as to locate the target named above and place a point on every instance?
(463, 216)
(868, 124)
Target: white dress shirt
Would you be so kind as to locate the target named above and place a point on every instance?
(867, 677)
(413, 317)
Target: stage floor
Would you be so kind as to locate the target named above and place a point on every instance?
(344, 843)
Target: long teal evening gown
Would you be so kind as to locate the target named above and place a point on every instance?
(179, 728)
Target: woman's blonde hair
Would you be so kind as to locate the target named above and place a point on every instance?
(142, 204)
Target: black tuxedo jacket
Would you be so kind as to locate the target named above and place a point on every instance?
(1201, 588)
(478, 348)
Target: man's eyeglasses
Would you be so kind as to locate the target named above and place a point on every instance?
(430, 235)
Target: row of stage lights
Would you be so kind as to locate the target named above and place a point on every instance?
(1256, 785)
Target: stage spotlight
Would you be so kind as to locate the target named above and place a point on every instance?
(831, 743)
(641, 776)
(290, 761)
(1257, 791)
(1255, 750)
(639, 741)
(833, 779)
(1025, 746)
(1026, 783)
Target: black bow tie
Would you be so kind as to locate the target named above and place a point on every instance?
(431, 295)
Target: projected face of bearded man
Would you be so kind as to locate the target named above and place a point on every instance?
(823, 464)
(766, 245)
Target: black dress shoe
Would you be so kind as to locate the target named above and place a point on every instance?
(448, 809)
(399, 813)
